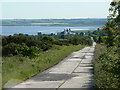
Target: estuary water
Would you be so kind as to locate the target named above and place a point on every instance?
(33, 30)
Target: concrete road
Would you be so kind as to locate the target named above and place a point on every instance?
(75, 71)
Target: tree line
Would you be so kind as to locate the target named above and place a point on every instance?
(27, 46)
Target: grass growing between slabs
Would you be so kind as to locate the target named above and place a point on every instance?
(17, 68)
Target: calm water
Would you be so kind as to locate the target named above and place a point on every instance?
(32, 30)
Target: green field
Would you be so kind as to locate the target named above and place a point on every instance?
(84, 31)
(17, 68)
(48, 23)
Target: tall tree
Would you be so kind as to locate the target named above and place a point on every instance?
(112, 27)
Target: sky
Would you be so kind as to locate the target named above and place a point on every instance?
(55, 9)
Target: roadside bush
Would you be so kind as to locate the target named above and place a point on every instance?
(62, 42)
(75, 40)
(48, 39)
(89, 42)
(34, 51)
(24, 50)
(106, 67)
(17, 49)
(95, 38)
(20, 44)
(11, 49)
(29, 51)
(45, 46)
(84, 40)
(19, 40)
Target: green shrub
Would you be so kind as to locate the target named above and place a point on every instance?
(11, 48)
(106, 67)
(46, 46)
(17, 49)
(62, 42)
(84, 40)
(34, 51)
(48, 39)
(75, 40)
(29, 51)
(19, 40)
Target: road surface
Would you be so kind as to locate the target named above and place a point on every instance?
(75, 71)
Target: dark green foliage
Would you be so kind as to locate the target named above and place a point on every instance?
(20, 44)
(29, 51)
(84, 40)
(45, 46)
(75, 40)
(15, 45)
(63, 36)
(81, 33)
(99, 39)
(11, 49)
(106, 67)
(111, 31)
(112, 26)
(17, 49)
(107, 59)
(62, 42)
(47, 42)
(48, 39)
(98, 35)
(95, 38)
(19, 40)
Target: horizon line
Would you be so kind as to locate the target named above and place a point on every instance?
(61, 18)
(56, 1)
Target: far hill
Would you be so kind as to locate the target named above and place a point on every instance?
(53, 22)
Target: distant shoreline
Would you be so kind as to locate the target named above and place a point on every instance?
(47, 18)
(54, 25)
(53, 22)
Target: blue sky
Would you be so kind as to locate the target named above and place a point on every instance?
(55, 9)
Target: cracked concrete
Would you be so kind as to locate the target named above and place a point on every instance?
(75, 71)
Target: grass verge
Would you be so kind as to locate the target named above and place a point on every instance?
(0, 73)
(16, 68)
